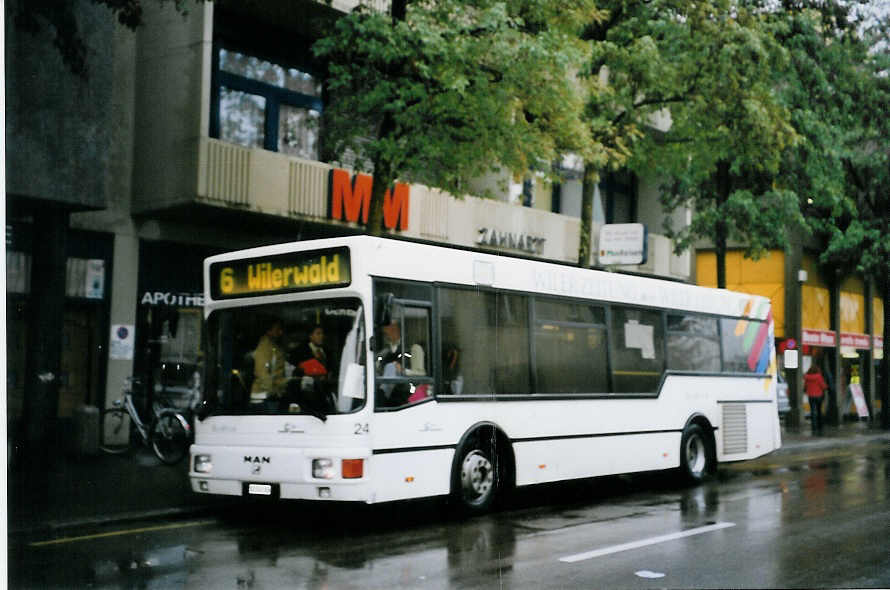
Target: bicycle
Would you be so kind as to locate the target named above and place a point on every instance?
(168, 434)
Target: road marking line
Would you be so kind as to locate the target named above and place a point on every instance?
(119, 533)
(645, 542)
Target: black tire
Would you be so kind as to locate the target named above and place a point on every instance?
(697, 457)
(478, 475)
(170, 437)
(115, 431)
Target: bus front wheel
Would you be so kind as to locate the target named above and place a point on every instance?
(477, 479)
(697, 457)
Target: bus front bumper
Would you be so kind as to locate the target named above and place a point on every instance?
(304, 474)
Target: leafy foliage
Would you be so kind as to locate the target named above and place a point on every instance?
(711, 67)
(728, 135)
(454, 90)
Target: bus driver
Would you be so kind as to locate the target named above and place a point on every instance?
(391, 359)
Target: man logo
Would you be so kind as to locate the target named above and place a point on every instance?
(256, 459)
(256, 469)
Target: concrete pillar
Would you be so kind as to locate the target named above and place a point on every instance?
(836, 393)
(123, 307)
(868, 371)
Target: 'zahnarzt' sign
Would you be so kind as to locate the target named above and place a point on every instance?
(622, 243)
(489, 236)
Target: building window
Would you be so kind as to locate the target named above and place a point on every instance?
(262, 104)
(620, 191)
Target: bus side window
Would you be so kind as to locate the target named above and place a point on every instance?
(402, 356)
(693, 343)
(637, 338)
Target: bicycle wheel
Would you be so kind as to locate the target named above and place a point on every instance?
(114, 430)
(170, 437)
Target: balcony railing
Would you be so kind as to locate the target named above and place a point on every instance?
(267, 182)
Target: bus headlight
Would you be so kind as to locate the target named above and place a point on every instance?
(322, 469)
(203, 464)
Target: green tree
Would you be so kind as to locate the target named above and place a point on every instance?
(444, 92)
(728, 133)
(837, 90)
(630, 77)
(711, 65)
(857, 228)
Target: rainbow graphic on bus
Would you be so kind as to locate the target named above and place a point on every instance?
(757, 340)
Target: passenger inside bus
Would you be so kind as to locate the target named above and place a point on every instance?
(311, 358)
(269, 380)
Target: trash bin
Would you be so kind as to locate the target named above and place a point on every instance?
(86, 430)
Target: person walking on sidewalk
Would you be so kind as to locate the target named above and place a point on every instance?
(814, 385)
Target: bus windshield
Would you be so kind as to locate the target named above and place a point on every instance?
(290, 358)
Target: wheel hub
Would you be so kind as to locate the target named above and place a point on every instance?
(695, 454)
(477, 477)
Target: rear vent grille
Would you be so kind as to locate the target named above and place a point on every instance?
(735, 429)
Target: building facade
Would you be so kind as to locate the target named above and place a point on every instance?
(195, 135)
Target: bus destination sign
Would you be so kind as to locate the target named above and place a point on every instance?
(281, 273)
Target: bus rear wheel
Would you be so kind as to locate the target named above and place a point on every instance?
(697, 457)
(478, 477)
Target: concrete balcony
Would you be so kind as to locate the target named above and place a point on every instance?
(260, 182)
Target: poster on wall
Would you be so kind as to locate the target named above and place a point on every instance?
(121, 347)
(94, 281)
(855, 390)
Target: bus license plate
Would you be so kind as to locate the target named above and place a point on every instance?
(259, 489)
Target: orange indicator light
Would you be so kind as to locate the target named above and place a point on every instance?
(409, 479)
(542, 466)
(353, 468)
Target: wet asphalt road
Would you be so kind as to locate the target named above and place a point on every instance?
(815, 518)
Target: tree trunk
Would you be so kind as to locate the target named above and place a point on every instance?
(588, 187)
(383, 178)
(720, 230)
(384, 175)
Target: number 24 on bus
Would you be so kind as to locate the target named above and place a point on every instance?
(369, 370)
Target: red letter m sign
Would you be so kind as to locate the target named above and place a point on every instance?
(351, 199)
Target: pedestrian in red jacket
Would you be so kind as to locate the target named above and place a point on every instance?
(814, 385)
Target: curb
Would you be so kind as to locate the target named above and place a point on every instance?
(54, 526)
(831, 441)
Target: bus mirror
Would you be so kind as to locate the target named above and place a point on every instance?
(383, 309)
(204, 410)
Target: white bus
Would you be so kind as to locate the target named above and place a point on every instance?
(438, 371)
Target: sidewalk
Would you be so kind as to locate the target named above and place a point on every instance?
(832, 436)
(101, 488)
(110, 488)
